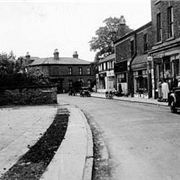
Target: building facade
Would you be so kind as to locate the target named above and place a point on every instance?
(150, 53)
(65, 71)
(165, 53)
(105, 78)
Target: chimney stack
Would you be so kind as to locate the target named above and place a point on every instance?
(27, 56)
(56, 54)
(75, 55)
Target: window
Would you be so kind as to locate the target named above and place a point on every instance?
(145, 42)
(170, 22)
(80, 70)
(132, 47)
(104, 66)
(70, 70)
(159, 29)
(88, 70)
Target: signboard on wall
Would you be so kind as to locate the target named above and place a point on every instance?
(110, 73)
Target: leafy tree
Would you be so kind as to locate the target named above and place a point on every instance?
(102, 43)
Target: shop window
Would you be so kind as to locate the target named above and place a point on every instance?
(170, 22)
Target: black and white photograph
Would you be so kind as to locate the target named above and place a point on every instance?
(90, 90)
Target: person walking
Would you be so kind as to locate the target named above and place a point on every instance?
(165, 91)
(160, 90)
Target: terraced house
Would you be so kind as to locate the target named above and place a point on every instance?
(105, 77)
(65, 70)
(165, 52)
(150, 53)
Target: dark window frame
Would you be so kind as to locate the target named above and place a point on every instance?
(170, 22)
(159, 27)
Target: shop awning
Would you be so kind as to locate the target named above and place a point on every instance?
(139, 62)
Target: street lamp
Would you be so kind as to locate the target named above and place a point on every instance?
(150, 67)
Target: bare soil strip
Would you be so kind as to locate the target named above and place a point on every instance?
(32, 165)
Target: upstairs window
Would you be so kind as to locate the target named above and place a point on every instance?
(88, 70)
(80, 70)
(170, 22)
(159, 28)
(145, 38)
(70, 70)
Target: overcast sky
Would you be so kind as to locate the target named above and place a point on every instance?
(39, 27)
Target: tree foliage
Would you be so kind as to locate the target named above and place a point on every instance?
(13, 74)
(102, 43)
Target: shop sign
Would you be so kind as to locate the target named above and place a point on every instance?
(110, 73)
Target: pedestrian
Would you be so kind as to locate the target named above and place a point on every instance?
(160, 89)
(165, 90)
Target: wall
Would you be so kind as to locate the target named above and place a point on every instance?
(161, 6)
(28, 96)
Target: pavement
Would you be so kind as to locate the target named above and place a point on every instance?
(132, 99)
(23, 126)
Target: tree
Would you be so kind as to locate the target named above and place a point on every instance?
(105, 36)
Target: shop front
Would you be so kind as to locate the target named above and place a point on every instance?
(140, 76)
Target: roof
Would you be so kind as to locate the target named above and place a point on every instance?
(133, 32)
(60, 61)
(110, 57)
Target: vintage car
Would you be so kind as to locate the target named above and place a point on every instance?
(174, 100)
(85, 92)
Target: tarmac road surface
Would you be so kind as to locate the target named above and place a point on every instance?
(143, 140)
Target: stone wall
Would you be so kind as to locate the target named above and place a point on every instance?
(28, 96)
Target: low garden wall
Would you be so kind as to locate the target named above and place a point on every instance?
(28, 95)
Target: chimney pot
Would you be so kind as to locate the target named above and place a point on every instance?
(75, 55)
(56, 54)
(27, 55)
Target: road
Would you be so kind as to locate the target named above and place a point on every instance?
(143, 140)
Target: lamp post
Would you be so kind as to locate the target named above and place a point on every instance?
(151, 84)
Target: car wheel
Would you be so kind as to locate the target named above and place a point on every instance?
(173, 108)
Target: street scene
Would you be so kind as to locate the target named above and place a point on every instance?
(90, 90)
(142, 139)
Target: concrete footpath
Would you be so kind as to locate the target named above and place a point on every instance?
(74, 158)
(22, 126)
(132, 99)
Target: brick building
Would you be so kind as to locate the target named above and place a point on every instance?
(105, 78)
(151, 52)
(65, 70)
(131, 60)
(165, 53)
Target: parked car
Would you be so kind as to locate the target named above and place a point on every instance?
(85, 92)
(174, 100)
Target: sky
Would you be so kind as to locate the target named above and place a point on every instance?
(40, 26)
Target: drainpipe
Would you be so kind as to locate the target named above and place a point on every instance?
(130, 72)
